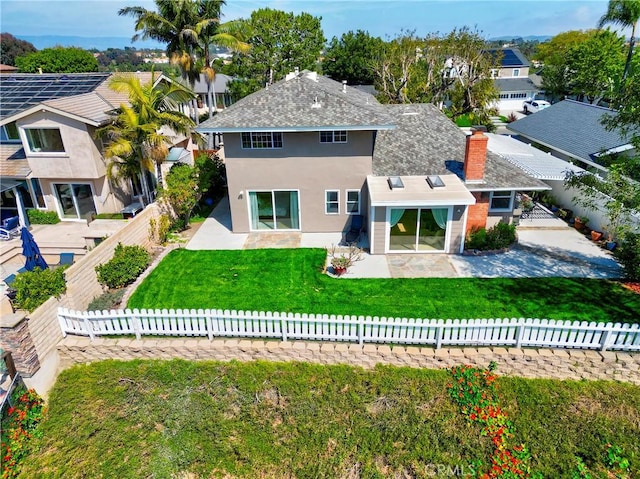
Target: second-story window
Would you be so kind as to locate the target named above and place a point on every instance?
(516, 72)
(44, 140)
(261, 140)
(338, 136)
(10, 132)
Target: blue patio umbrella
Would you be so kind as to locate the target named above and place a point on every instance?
(31, 251)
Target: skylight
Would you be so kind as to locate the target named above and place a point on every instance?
(395, 182)
(435, 181)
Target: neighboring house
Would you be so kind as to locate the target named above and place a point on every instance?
(512, 80)
(307, 153)
(220, 95)
(50, 157)
(572, 131)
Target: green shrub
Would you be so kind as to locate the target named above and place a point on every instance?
(35, 287)
(106, 301)
(127, 264)
(109, 216)
(39, 217)
(500, 236)
(628, 253)
(476, 239)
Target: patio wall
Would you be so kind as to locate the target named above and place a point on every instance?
(43, 333)
(531, 363)
(597, 219)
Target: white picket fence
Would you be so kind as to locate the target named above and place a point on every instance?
(214, 323)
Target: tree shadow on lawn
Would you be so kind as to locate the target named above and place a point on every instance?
(575, 298)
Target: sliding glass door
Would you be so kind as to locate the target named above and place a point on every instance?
(274, 210)
(76, 200)
(417, 229)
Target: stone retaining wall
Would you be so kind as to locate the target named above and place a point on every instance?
(36, 336)
(530, 363)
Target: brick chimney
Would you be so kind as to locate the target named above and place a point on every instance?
(475, 157)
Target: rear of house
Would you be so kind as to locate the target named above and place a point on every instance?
(307, 153)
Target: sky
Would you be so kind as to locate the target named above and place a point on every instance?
(384, 18)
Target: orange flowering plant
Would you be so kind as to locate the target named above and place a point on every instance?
(20, 425)
(474, 390)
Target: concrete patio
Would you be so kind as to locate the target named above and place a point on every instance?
(546, 247)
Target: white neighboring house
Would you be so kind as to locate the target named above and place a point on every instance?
(512, 80)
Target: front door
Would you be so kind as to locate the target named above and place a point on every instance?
(274, 210)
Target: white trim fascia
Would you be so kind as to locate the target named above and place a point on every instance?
(372, 212)
(465, 216)
(44, 107)
(262, 129)
(424, 204)
(511, 188)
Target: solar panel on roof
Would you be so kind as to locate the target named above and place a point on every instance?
(510, 59)
(21, 91)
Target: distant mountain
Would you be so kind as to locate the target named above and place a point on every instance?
(528, 38)
(100, 43)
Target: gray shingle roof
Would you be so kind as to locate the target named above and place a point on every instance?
(572, 127)
(426, 142)
(514, 84)
(301, 102)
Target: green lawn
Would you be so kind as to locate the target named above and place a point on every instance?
(291, 280)
(178, 419)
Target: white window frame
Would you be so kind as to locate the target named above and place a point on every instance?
(347, 202)
(252, 140)
(6, 133)
(516, 72)
(327, 202)
(501, 195)
(27, 145)
(334, 134)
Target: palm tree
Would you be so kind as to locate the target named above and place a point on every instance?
(625, 13)
(189, 28)
(139, 130)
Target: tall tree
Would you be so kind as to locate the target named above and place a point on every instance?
(625, 13)
(454, 67)
(58, 60)
(190, 28)
(351, 57)
(12, 47)
(553, 55)
(595, 66)
(137, 129)
(280, 42)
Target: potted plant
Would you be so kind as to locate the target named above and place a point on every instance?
(342, 261)
(580, 222)
(340, 264)
(596, 235)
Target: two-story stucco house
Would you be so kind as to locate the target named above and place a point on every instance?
(512, 80)
(307, 153)
(50, 157)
